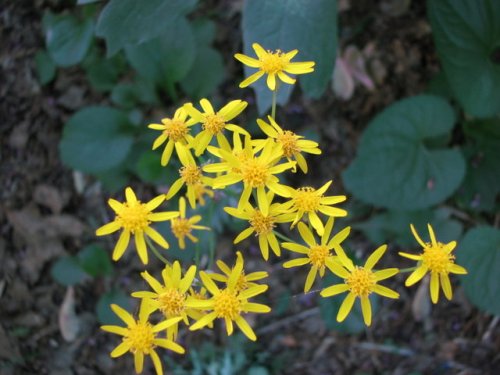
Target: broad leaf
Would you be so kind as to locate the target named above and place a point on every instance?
(67, 271)
(288, 25)
(167, 58)
(96, 140)
(467, 36)
(45, 67)
(481, 185)
(104, 313)
(94, 260)
(402, 162)
(67, 38)
(479, 253)
(125, 22)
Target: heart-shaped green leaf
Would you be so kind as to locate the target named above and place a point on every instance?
(479, 253)
(288, 25)
(467, 36)
(402, 163)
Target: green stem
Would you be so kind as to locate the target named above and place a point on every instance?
(155, 251)
(273, 108)
(283, 237)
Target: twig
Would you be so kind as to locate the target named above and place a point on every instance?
(289, 320)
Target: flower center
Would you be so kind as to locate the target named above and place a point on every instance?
(140, 338)
(361, 281)
(288, 141)
(214, 123)
(171, 302)
(306, 199)
(437, 259)
(254, 173)
(227, 305)
(191, 174)
(133, 217)
(175, 129)
(261, 224)
(273, 62)
(181, 227)
(318, 255)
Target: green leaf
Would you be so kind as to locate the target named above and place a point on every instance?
(45, 67)
(167, 58)
(103, 310)
(67, 38)
(104, 73)
(96, 140)
(288, 25)
(479, 253)
(481, 187)
(125, 22)
(467, 36)
(94, 260)
(67, 271)
(402, 163)
(394, 226)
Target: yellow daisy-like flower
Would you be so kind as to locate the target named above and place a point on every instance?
(140, 338)
(229, 303)
(170, 297)
(262, 224)
(319, 256)
(182, 226)
(190, 175)
(360, 282)
(293, 145)
(200, 190)
(256, 172)
(308, 200)
(275, 64)
(436, 259)
(175, 131)
(214, 123)
(244, 281)
(135, 217)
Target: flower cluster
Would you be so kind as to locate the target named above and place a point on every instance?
(215, 152)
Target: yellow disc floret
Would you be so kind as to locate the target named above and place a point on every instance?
(175, 129)
(254, 173)
(171, 302)
(273, 62)
(306, 199)
(437, 259)
(191, 174)
(318, 255)
(361, 281)
(133, 217)
(141, 338)
(227, 305)
(288, 141)
(181, 227)
(214, 123)
(261, 224)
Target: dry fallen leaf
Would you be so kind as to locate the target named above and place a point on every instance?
(69, 323)
(421, 306)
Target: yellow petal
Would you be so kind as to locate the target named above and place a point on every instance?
(156, 362)
(334, 290)
(138, 361)
(120, 350)
(306, 234)
(311, 276)
(434, 287)
(446, 286)
(416, 275)
(256, 308)
(384, 291)
(346, 307)
(121, 245)
(170, 345)
(375, 257)
(254, 77)
(296, 262)
(385, 274)
(123, 315)
(141, 248)
(248, 61)
(108, 228)
(271, 81)
(122, 331)
(156, 237)
(245, 328)
(366, 309)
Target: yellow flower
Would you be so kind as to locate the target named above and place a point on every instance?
(436, 259)
(170, 297)
(262, 223)
(174, 130)
(135, 218)
(244, 281)
(200, 190)
(190, 175)
(214, 123)
(319, 256)
(308, 200)
(360, 282)
(275, 64)
(182, 226)
(229, 303)
(256, 172)
(293, 145)
(140, 338)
